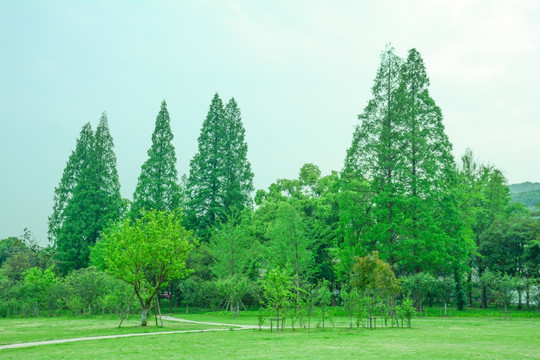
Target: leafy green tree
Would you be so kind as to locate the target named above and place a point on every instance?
(220, 177)
(324, 299)
(277, 288)
(351, 300)
(419, 287)
(232, 247)
(235, 254)
(288, 246)
(504, 289)
(445, 289)
(460, 292)
(147, 253)
(374, 279)
(483, 200)
(157, 187)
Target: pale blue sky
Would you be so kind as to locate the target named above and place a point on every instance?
(300, 71)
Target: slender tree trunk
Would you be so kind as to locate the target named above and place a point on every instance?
(277, 318)
(143, 316)
(445, 308)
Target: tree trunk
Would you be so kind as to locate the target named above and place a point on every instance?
(484, 297)
(277, 318)
(445, 309)
(505, 312)
(143, 316)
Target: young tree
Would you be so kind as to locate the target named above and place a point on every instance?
(419, 287)
(235, 252)
(147, 253)
(157, 187)
(374, 279)
(445, 289)
(289, 247)
(220, 177)
(277, 291)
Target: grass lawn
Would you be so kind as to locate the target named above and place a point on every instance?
(432, 338)
(13, 331)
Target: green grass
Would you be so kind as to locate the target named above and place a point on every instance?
(15, 331)
(431, 338)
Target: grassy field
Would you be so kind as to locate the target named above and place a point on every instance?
(431, 338)
(14, 331)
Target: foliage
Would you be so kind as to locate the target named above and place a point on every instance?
(147, 253)
(87, 199)
(220, 178)
(157, 187)
(419, 287)
(277, 288)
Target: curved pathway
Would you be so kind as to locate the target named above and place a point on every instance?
(169, 318)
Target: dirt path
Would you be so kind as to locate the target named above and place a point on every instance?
(169, 318)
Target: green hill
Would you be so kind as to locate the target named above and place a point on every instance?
(527, 193)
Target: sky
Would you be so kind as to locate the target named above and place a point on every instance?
(301, 71)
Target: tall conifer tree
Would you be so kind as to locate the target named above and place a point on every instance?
(63, 193)
(220, 177)
(157, 188)
(375, 155)
(94, 201)
(402, 150)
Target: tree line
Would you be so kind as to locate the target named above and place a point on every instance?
(447, 230)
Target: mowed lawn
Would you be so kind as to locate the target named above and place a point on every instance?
(14, 331)
(432, 338)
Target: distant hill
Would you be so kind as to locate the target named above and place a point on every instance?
(527, 193)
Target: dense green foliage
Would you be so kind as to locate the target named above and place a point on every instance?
(146, 253)
(220, 178)
(87, 199)
(157, 187)
(401, 220)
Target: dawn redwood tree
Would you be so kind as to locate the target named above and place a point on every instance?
(157, 187)
(375, 156)
(95, 200)
(220, 178)
(63, 193)
(431, 237)
(401, 151)
(147, 253)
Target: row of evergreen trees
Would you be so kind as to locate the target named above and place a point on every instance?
(88, 196)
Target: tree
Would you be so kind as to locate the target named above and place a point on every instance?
(235, 252)
(157, 187)
(63, 193)
(232, 247)
(419, 287)
(92, 203)
(289, 247)
(401, 151)
(147, 253)
(277, 291)
(375, 279)
(374, 151)
(445, 289)
(220, 177)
